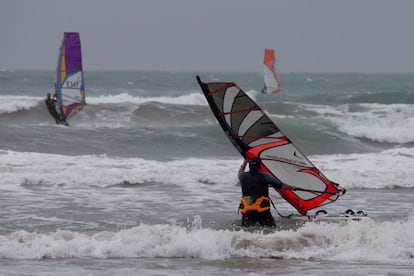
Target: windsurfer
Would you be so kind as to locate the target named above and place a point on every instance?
(255, 202)
(51, 107)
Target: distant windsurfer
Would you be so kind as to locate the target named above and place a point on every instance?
(51, 107)
(255, 202)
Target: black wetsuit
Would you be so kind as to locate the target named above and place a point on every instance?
(51, 106)
(256, 184)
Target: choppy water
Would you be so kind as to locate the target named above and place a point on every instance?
(144, 180)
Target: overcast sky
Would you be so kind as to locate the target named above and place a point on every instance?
(208, 35)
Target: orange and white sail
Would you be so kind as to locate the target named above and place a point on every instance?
(271, 80)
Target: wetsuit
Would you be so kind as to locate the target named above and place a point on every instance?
(255, 189)
(51, 106)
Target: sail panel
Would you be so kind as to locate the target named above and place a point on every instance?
(70, 89)
(271, 79)
(255, 135)
(251, 119)
(268, 139)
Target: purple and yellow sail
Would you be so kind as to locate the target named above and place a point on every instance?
(69, 85)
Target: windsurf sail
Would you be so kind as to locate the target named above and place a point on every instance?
(69, 84)
(255, 135)
(271, 79)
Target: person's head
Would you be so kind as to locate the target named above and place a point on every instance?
(254, 165)
(48, 95)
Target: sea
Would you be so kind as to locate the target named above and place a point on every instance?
(144, 180)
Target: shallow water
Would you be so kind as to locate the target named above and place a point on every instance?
(145, 182)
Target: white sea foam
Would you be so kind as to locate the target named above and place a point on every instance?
(383, 123)
(386, 169)
(377, 122)
(366, 241)
(9, 104)
(368, 170)
(198, 180)
(48, 169)
(188, 99)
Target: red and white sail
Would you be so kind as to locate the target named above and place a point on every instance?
(255, 135)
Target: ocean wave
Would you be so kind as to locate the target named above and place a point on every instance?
(10, 104)
(188, 99)
(375, 122)
(367, 241)
(29, 168)
(365, 170)
(386, 169)
(371, 123)
(112, 112)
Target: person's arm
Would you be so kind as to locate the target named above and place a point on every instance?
(288, 187)
(273, 181)
(277, 184)
(243, 166)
